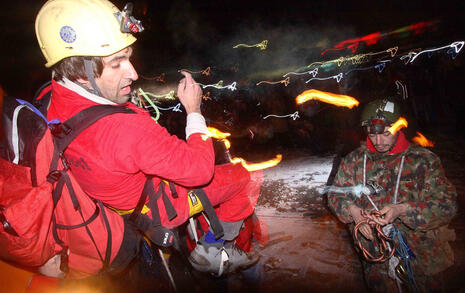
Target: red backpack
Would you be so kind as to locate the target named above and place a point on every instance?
(43, 210)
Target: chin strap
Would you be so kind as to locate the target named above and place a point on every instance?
(89, 67)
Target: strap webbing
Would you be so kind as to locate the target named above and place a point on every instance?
(215, 224)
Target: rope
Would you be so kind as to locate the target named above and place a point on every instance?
(143, 94)
(380, 241)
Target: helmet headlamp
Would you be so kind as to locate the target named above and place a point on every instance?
(376, 126)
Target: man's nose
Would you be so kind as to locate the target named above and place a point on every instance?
(131, 72)
(378, 139)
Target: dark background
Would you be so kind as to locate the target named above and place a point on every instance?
(196, 34)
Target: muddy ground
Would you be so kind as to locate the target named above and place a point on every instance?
(309, 249)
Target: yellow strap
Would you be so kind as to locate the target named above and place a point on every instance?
(195, 206)
(145, 210)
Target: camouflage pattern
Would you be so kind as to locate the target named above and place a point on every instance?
(431, 200)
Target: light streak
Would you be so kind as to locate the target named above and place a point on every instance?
(175, 108)
(261, 46)
(399, 86)
(380, 67)
(284, 81)
(258, 166)
(409, 55)
(294, 115)
(400, 123)
(330, 98)
(160, 78)
(313, 72)
(357, 59)
(337, 77)
(169, 96)
(420, 139)
(215, 133)
(219, 85)
(205, 72)
(373, 38)
(206, 96)
(456, 46)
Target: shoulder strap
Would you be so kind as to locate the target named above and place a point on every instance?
(66, 132)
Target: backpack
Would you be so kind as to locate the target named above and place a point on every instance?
(43, 210)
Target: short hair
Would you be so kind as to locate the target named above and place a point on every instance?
(73, 68)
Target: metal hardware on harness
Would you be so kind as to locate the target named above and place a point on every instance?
(6, 225)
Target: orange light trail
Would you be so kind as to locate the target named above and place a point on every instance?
(160, 78)
(420, 139)
(330, 98)
(205, 72)
(400, 123)
(285, 81)
(215, 133)
(258, 166)
(206, 96)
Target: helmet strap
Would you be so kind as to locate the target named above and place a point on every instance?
(89, 68)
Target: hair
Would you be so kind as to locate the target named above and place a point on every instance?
(73, 68)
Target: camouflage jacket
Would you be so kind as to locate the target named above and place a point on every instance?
(431, 199)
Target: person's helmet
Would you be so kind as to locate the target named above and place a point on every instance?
(66, 28)
(379, 113)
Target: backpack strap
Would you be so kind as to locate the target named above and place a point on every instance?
(215, 224)
(152, 228)
(64, 134)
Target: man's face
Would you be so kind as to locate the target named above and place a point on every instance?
(383, 142)
(117, 76)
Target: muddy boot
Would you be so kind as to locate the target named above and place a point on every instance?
(209, 257)
(218, 256)
(238, 258)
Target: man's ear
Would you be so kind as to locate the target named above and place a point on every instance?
(84, 82)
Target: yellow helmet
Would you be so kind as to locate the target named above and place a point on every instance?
(66, 28)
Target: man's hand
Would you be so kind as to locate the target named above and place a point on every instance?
(389, 213)
(356, 214)
(189, 93)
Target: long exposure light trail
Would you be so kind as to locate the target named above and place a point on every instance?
(380, 67)
(357, 59)
(420, 139)
(456, 46)
(222, 136)
(337, 77)
(262, 46)
(330, 98)
(400, 123)
(400, 86)
(160, 78)
(176, 108)
(205, 72)
(219, 85)
(373, 38)
(313, 72)
(285, 81)
(294, 115)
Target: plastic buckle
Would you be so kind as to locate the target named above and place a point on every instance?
(54, 176)
(59, 130)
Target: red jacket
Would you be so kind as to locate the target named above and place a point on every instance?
(118, 150)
